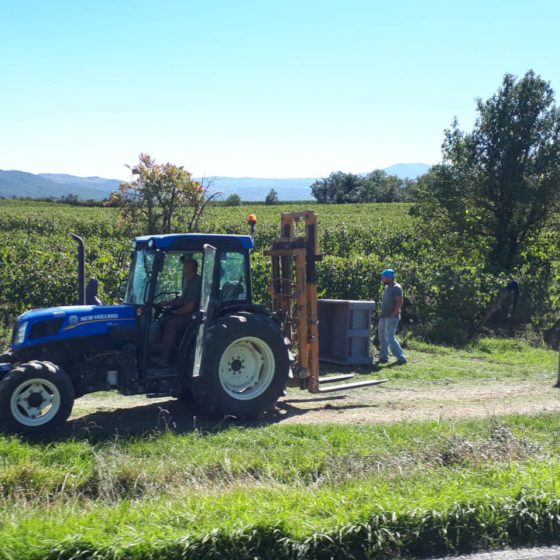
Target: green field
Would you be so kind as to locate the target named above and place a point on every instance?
(130, 479)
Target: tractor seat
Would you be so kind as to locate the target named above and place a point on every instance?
(231, 291)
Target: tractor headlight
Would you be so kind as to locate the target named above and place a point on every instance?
(19, 335)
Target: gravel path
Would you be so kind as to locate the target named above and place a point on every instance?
(376, 405)
(548, 553)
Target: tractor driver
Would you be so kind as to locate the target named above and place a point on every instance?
(181, 309)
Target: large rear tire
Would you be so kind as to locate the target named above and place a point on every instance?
(35, 397)
(246, 366)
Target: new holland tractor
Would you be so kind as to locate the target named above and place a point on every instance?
(232, 359)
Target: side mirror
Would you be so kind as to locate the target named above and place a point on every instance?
(124, 258)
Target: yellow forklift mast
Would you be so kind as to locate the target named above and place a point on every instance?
(293, 292)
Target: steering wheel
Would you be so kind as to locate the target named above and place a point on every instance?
(161, 311)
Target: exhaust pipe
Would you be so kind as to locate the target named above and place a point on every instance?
(81, 269)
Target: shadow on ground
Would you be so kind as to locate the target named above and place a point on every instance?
(148, 417)
(179, 417)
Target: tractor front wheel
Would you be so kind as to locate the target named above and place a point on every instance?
(246, 366)
(35, 397)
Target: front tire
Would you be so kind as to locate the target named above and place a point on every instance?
(246, 366)
(35, 397)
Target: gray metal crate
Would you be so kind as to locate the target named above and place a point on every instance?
(345, 330)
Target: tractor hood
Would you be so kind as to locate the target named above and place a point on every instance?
(53, 324)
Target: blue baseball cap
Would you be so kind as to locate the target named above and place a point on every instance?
(388, 273)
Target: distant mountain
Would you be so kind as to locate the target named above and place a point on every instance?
(20, 183)
(407, 170)
(98, 183)
(251, 188)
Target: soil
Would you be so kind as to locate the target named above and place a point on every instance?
(382, 404)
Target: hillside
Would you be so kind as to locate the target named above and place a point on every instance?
(253, 188)
(20, 183)
(98, 183)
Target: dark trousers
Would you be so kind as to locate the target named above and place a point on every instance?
(170, 328)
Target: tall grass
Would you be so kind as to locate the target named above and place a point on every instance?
(284, 491)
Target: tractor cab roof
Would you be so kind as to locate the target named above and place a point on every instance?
(193, 242)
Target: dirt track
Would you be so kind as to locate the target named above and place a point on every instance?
(382, 404)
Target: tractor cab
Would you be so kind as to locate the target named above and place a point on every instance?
(159, 286)
(158, 262)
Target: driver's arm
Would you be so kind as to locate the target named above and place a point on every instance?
(185, 309)
(175, 302)
(191, 297)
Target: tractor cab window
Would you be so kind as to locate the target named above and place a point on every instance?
(170, 281)
(233, 276)
(140, 273)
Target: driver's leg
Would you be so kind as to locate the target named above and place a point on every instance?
(159, 331)
(170, 329)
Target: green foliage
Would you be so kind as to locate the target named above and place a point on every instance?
(233, 200)
(163, 198)
(337, 188)
(271, 197)
(499, 185)
(377, 186)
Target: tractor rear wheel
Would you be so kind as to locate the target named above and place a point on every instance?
(246, 366)
(35, 397)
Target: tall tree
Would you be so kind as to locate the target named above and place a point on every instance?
(233, 200)
(162, 198)
(378, 186)
(271, 197)
(500, 183)
(338, 188)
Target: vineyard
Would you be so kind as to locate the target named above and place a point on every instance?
(445, 294)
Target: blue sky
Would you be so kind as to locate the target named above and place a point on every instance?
(255, 88)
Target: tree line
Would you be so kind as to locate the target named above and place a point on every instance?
(377, 186)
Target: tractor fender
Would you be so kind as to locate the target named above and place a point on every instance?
(7, 358)
(4, 369)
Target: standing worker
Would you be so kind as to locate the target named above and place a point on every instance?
(391, 306)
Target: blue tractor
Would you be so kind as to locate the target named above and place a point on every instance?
(232, 358)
